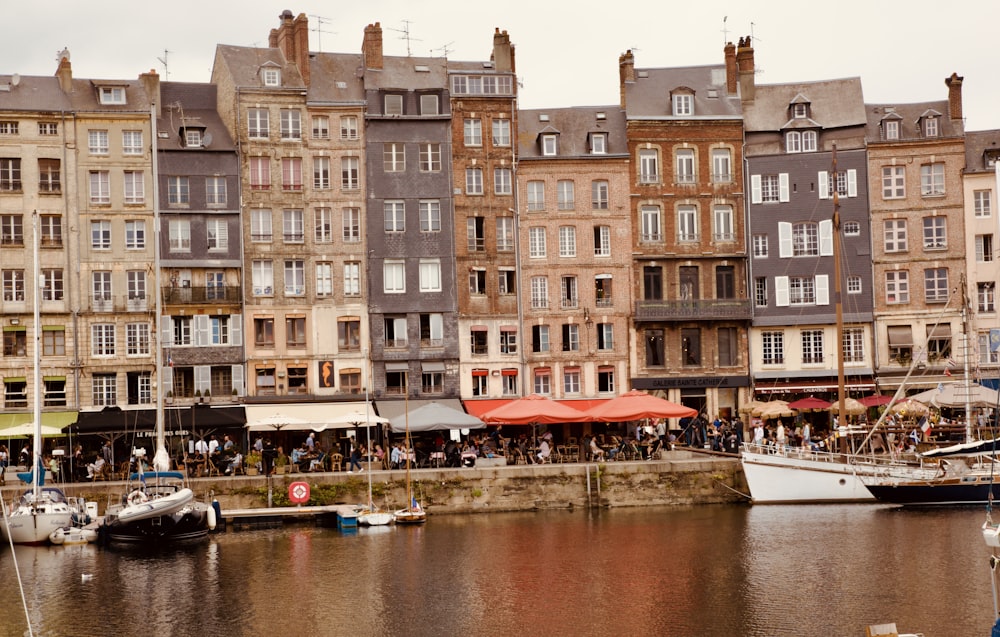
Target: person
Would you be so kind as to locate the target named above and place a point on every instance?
(267, 456)
(596, 453)
(201, 447)
(25, 457)
(213, 445)
(806, 436)
(311, 442)
(258, 444)
(395, 456)
(758, 433)
(779, 436)
(356, 453)
(227, 445)
(4, 461)
(544, 451)
(95, 467)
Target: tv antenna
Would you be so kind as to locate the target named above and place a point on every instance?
(320, 21)
(166, 66)
(445, 49)
(725, 31)
(406, 35)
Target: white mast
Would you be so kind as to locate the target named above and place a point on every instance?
(161, 459)
(36, 450)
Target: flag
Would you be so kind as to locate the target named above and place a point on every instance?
(947, 372)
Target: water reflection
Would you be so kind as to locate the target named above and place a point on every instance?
(829, 570)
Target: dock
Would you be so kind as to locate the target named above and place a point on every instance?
(340, 515)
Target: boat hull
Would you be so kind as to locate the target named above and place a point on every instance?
(165, 505)
(407, 516)
(32, 518)
(776, 479)
(374, 518)
(189, 522)
(66, 535)
(954, 492)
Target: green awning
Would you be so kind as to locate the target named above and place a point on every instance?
(15, 328)
(58, 419)
(15, 379)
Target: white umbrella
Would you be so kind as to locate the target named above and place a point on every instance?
(278, 422)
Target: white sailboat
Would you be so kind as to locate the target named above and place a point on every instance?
(369, 514)
(40, 510)
(412, 513)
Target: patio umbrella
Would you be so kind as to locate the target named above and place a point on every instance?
(810, 403)
(910, 407)
(28, 429)
(852, 407)
(637, 405)
(278, 422)
(876, 400)
(776, 409)
(751, 407)
(956, 395)
(356, 418)
(433, 416)
(534, 409)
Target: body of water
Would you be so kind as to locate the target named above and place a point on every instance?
(708, 570)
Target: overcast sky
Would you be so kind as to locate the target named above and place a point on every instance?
(567, 51)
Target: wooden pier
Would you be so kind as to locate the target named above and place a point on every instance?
(340, 515)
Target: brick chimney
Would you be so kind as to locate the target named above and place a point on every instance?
(626, 73)
(745, 69)
(503, 52)
(151, 84)
(292, 37)
(731, 80)
(65, 72)
(954, 84)
(371, 47)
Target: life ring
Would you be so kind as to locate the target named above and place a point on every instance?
(137, 497)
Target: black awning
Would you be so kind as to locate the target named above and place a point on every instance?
(117, 420)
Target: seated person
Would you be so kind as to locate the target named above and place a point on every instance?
(234, 462)
(596, 453)
(96, 467)
(544, 451)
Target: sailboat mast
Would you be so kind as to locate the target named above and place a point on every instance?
(161, 460)
(966, 384)
(838, 301)
(36, 450)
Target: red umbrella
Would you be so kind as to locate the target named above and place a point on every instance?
(809, 404)
(875, 400)
(534, 409)
(636, 405)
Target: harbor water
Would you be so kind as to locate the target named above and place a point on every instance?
(706, 570)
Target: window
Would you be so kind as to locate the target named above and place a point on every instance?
(431, 382)
(550, 145)
(53, 342)
(812, 346)
(982, 202)
(12, 230)
(723, 218)
(722, 171)
(349, 127)
(217, 234)
(100, 235)
(986, 295)
(480, 382)
(430, 158)
(894, 235)
(477, 281)
(685, 166)
(324, 278)
(52, 284)
(265, 381)
(690, 346)
(773, 348)
(649, 166)
(181, 330)
(543, 382)
(936, 285)
(8, 127)
(760, 291)
(178, 191)
(930, 127)
(101, 289)
(350, 173)
(10, 174)
(683, 104)
(393, 157)
(805, 240)
(605, 336)
(257, 123)
(568, 292)
(104, 390)
(984, 248)
(598, 143)
(570, 337)
(652, 283)
(352, 278)
(48, 128)
(293, 226)
(854, 284)
(97, 142)
(760, 246)
(727, 346)
(536, 242)
(291, 124)
(134, 187)
(215, 191)
(602, 241)
(606, 379)
(801, 290)
(102, 339)
(349, 334)
(507, 279)
(891, 129)
(688, 276)
(567, 241)
(793, 142)
(100, 187)
(536, 195)
(603, 291)
(395, 331)
(320, 127)
(15, 342)
(260, 173)
(112, 94)
(501, 132)
(540, 338)
(897, 286)
(13, 285)
(809, 139)
(473, 181)
(291, 173)
(321, 173)
(893, 182)
(502, 181)
(220, 329)
(430, 216)
(938, 342)
(508, 340)
(193, 137)
(295, 331)
(137, 339)
(49, 177)
(51, 230)
(263, 332)
(932, 179)
(505, 234)
(430, 275)
(476, 234)
(935, 233)
(571, 380)
(295, 277)
(770, 188)
(394, 275)
(687, 223)
(262, 273)
(986, 352)
(350, 381)
(650, 219)
(135, 283)
(725, 282)
(180, 235)
(260, 225)
(539, 292)
(431, 330)
(654, 342)
(394, 216)
(473, 132)
(132, 142)
(351, 224)
(599, 194)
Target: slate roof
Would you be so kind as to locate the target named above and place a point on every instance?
(909, 115)
(976, 145)
(401, 73)
(191, 104)
(42, 94)
(336, 77)
(573, 124)
(832, 104)
(649, 97)
(244, 63)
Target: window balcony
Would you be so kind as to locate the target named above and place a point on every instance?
(704, 309)
(212, 294)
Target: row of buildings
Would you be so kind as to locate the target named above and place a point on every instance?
(335, 224)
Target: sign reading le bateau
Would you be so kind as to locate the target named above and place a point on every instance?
(719, 382)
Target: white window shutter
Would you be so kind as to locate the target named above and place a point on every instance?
(238, 379)
(202, 331)
(437, 327)
(822, 289)
(826, 238)
(781, 291)
(784, 239)
(166, 379)
(236, 329)
(755, 190)
(783, 187)
(202, 378)
(166, 331)
(823, 179)
(852, 183)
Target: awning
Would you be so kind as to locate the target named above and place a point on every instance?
(309, 416)
(432, 366)
(900, 336)
(57, 419)
(392, 409)
(479, 407)
(178, 420)
(766, 387)
(942, 330)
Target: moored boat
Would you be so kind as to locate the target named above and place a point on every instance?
(160, 509)
(66, 535)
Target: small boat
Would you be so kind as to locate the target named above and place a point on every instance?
(160, 509)
(413, 513)
(371, 516)
(66, 535)
(956, 485)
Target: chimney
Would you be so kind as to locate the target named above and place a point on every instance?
(626, 73)
(292, 37)
(954, 84)
(65, 72)
(371, 48)
(745, 69)
(503, 52)
(151, 84)
(731, 80)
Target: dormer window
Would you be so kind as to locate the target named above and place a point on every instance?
(598, 143)
(800, 141)
(271, 76)
(891, 128)
(800, 111)
(990, 158)
(550, 144)
(393, 104)
(429, 105)
(683, 104)
(193, 138)
(112, 94)
(930, 127)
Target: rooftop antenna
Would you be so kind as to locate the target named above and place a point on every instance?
(445, 50)
(406, 35)
(166, 67)
(320, 21)
(725, 31)
(753, 40)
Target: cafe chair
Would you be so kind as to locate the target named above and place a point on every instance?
(336, 462)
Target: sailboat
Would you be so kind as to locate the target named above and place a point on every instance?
(369, 514)
(413, 513)
(40, 510)
(159, 507)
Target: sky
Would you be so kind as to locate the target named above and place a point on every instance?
(566, 51)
